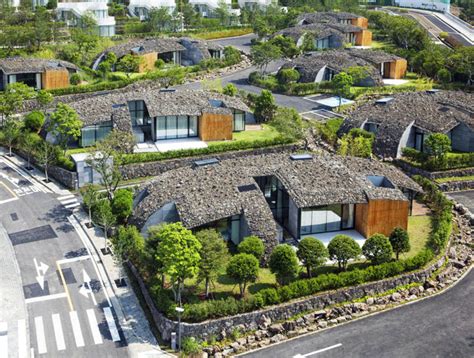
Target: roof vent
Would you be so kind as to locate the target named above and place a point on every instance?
(167, 90)
(443, 109)
(119, 105)
(384, 100)
(244, 188)
(380, 181)
(433, 90)
(301, 157)
(206, 162)
(216, 103)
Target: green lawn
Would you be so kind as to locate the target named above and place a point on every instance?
(267, 132)
(419, 228)
(450, 179)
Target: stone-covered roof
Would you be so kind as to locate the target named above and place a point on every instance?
(373, 56)
(206, 194)
(12, 65)
(319, 31)
(309, 64)
(317, 17)
(433, 112)
(99, 107)
(143, 46)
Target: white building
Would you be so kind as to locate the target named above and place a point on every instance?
(72, 12)
(207, 7)
(252, 4)
(436, 5)
(141, 8)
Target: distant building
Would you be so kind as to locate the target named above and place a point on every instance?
(36, 73)
(72, 12)
(436, 5)
(254, 4)
(142, 8)
(206, 8)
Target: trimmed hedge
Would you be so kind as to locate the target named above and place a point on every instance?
(214, 148)
(451, 161)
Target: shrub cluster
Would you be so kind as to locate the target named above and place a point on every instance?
(451, 161)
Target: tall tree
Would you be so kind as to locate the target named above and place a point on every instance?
(128, 244)
(13, 98)
(159, 19)
(89, 198)
(103, 217)
(263, 54)
(11, 133)
(29, 141)
(46, 155)
(64, 125)
(342, 83)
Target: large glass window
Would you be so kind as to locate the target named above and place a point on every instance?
(239, 121)
(419, 140)
(138, 113)
(322, 43)
(28, 79)
(327, 218)
(92, 134)
(173, 127)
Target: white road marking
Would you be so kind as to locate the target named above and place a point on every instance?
(65, 197)
(70, 206)
(40, 338)
(68, 201)
(46, 297)
(22, 348)
(111, 323)
(76, 329)
(73, 259)
(318, 351)
(25, 176)
(94, 327)
(58, 332)
(3, 340)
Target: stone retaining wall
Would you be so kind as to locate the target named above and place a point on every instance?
(457, 185)
(249, 321)
(140, 170)
(406, 167)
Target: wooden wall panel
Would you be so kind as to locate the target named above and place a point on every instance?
(51, 79)
(364, 38)
(398, 69)
(148, 62)
(213, 126)
(381, 216)
(361, 22)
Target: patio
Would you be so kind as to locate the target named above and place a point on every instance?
(325, 237)
(169, 144)
(392, 82)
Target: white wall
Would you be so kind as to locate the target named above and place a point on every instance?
(438, 5)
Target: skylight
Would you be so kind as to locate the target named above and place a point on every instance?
(384, 100)
(244, 188)
(301, 157)
(380, 181)
(216, 103)
(205, 162)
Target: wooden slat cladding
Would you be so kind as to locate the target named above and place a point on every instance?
(148, 62)
(52, 79)
(361, 22)
(213, 126)
(364, 38)
(381, 216)
(398, 69)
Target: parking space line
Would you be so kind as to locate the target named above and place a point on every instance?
(22, 346)
(40, 338)
(111, 323)
(58, 332)
(94, 327)
(76, 329)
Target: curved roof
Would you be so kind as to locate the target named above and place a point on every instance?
(430, 111)
(314, 17)
(143, 46)
(319, 30)
(12, 65)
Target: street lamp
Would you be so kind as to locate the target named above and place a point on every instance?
(179, 310)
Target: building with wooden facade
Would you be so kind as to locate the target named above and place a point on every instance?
(280, 195)
(407, 119)
(35, 72)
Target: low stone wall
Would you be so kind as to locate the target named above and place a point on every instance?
(140, 170)
(457, 185)
(250, 321)
(406, 167)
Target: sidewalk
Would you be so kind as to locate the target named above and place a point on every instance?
(141, 342)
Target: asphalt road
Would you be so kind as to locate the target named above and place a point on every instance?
(442, 326)
(240, 42)
(446, 28)
(69, 312)
(464, 197)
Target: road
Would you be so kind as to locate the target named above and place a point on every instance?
(240, 42)
(441, 326)
(68, 311)
(464, 197)
(446, 28)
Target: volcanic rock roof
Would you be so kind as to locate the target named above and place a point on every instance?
(433, 112)
(320, 31)
(12, 65)
(144, 46)
(314, 17)
(206, 194)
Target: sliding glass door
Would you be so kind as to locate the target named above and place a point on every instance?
(174, 127)
(327, 218)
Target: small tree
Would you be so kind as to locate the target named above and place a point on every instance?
(128, 244)
(377, 249)
(230, 90)
(287, 76)
(308, 43)
(437, 146)
(33, 121)
(44, 98)
(129, 64)
(214, 254)
(29, 142)
(312, 253)
(103, 217)
(243, 268)
(342, 83)
(343, 248)
(89, 198)
(11, 133)
(64, 125)
(358, 73)
(264, 53)
(284, 264)
(13, 97)
(286, 45)
(122, 205)
(289, 124)
(232, 56)
(47, 155)
(400, 241)
(252, 245)
(265, 107)
(178, 250)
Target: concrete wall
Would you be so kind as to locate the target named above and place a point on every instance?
(407, 139)
(462, 138)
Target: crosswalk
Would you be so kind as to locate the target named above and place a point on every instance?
(69, 201)
(60, 332)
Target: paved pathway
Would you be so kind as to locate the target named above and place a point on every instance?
(464, 197)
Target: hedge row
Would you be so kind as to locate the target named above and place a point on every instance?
(213, 148)
(451, 160)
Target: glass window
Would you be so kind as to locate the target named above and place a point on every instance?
(91, 134)
(171, 127)
(161, 127)
(318, 220)
(333, 217)
(306, 221)
(193, 126)
(348, 216)
(327, 218)
(182, 126)
(239, 121)
(137, 113)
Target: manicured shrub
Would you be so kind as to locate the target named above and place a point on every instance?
(230, 90)
(285, 293)
(343, 248)
(33, 121)
(159, 64)
(252, 245)
(377, 249)
(312, 253)
(284, 264)
(232, 56)
(122, 204)
(75, 79)
(190, 346)
(270, 296)
(288, 75)
(243, 268)
(400, 241)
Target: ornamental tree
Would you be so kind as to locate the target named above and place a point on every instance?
(377, 249)
(243, 268)
(265, 107)
(214, 254)
(89, 198)
(103, 217)
(343, 248)
(122, 205)
(129, 64)
(264, 53)
(342, 83)
(178, 251)
(400, 241)
(10, 134)
(252, 245)
(64, 125)
(128, 244)
(33, 121)
(29, 141)
(312, 254)
(46, 155)
(437, 146)
(284, 264)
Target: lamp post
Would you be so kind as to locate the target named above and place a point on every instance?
(179, 310)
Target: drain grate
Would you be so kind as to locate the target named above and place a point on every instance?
(14, 216)
(34, 290)
(120, 282)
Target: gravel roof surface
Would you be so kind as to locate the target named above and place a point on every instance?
(12, 65)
